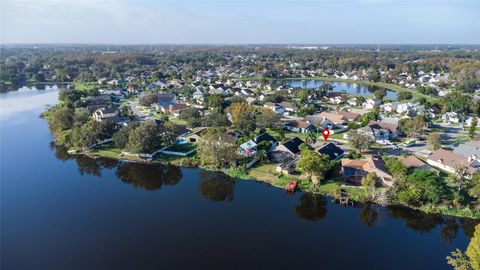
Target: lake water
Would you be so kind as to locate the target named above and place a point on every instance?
(340, 87)
(74, 212)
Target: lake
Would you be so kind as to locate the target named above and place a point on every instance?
(73, 212)
(340, 87)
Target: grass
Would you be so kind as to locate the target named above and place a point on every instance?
(264, 172)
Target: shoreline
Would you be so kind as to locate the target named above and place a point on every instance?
(427, 209)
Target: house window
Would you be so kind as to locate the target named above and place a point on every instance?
(193, 140)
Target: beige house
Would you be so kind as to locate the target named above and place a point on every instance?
(354, 170)
(105, 114)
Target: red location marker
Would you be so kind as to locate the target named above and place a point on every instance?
(326, 133)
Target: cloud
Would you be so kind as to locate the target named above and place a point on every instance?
(247, 21)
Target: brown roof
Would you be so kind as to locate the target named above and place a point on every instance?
(411, 162)
(448, 158)
(391, 127)
(334, 117)
(179, 106)
(298, 124)
(368, 165)
(349, 115)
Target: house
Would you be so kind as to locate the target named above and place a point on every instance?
(198, 95)
(288, 106)
(353, 170)
(274, 107)
(451, 117)
(470, 120)
(105, 114)
(450, 161)
(371, 103)
(350, 116)
(352, 101)
(299, 126)
(316, 120)
(331, 150)
(265, 137)
(252, 101)
(165, 97)
(195, 136)
(380, 130)
(171, 107)
(249, 148)
(335, 117)
(470, 150)
(413, 163)
(287, 155)
(391, 106)
(287, 150)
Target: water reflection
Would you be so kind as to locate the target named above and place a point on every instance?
(216, 186)
(349, 88)
(368, 214)
(148, 176)
(312, 207)
(139, 175)
(416, 220)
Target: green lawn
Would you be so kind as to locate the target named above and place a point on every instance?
(182, 147)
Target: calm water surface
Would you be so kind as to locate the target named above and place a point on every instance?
(73, 212)
(341, 87)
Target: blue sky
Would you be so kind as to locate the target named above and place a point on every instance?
(234, 22)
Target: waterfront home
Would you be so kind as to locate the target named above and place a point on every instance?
(352, 101)
(354, 170)
(287, 150)
(252, 101)
(412, 163)
(331, 150)
(299, 126)
(450, 162)
(287, 155)
(380, 130)
(391, 106)
(105, 114)
(249, 148)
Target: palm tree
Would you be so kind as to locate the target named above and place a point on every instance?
(311, 138)
(262, 155)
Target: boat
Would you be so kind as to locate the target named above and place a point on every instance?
(291, 186)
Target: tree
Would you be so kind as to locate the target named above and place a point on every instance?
(413, 127)
(242, 116)
(192, 116)
(215, 119)
(311, 138)
(404, 95)
(459, 178)
(380, 94)
(149, 136)
(120, 138)
(215, 101)
(395, 167)
(148, 98)
(470, 260)
(473, 127)
(90, 133)
(268, 118)
(69, 95)
(217, 149)
(473, 249)
(359, 140)
(369, 182)
(126, 111)
(474, 190)
(314, 165)
(434, 140)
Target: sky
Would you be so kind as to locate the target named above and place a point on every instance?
(240, 22)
